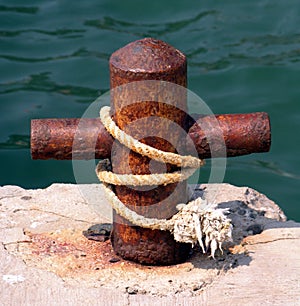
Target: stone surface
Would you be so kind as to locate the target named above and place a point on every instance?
(45, 259)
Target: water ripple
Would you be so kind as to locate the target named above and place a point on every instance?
(155, 29)
(19, 9)
(60, 33)
(16, 141)
(273, 167)
(262, 50)
(267, 40)
(42, 82)
(82, 52)
(244, 59)
(265, 166)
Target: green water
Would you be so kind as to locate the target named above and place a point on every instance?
(243, 56)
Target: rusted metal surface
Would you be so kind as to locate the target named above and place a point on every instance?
(54, 138)
(243, 134)
(147, 59)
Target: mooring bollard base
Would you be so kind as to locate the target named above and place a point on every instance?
(46, 260)
(153, 247)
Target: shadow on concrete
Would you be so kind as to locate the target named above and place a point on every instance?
(222, 262)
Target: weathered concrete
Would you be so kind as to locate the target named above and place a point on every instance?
(45, 259)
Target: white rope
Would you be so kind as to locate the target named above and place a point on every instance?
(144, 179)
(194, 222)
(190, 225)
(143, 149)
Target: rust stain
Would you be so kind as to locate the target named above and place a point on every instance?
(74, 258)
(237, 249)
(263, 237)
(68, 253)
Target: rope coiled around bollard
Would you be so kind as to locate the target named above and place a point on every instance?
(194, 222)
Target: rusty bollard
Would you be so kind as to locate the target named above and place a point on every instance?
(147, 60)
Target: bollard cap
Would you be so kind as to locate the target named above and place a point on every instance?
(148, 58)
